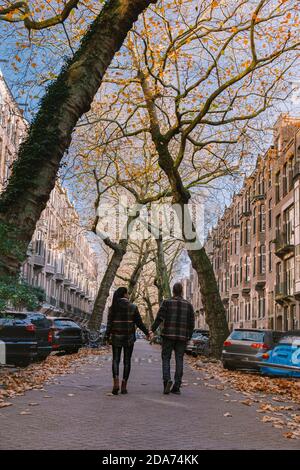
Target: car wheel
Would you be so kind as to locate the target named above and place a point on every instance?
(41, 357)
(24, 363)
(227, 366)
(72, 351)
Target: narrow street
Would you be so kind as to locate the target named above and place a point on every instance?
(78, 412)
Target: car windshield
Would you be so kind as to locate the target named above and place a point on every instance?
(65, 324)
(248, 335)
(290, 339)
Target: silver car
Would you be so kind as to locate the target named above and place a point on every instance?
(242, 346)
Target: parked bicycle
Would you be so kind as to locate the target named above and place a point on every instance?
(93, 338)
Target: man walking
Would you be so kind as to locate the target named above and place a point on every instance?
(177, 315)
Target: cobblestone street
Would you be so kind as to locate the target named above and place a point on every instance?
(78, 412)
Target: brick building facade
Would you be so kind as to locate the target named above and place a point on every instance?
(60, 259)
(255, 246)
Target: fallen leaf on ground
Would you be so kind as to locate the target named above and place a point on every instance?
(246, 402)
(4, 404)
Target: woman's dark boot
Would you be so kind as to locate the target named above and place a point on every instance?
(123, 387)
(167, 386)
(116, 386)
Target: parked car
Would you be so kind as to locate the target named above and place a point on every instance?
(284, 359)
(201, 331)
(198, 344)
(66, 335)
(27, 336)
(243, 347)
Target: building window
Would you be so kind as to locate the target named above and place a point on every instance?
(241, 269)
(236, 275)
(261, 306)
(290, 267)
(241, 234)
(254, 261)
(284, 180)
(278, 226)
(277, 187)
(247, 276)
(270, 256)
(236, 243)
(247, 232)
(270, 178)
(262, 218)
(270, 213)
(288, 217)
(261, 184)
(262, 259)
(290, 173)
(39, 244)
(254, 221)
(248, 311)
(226, 281)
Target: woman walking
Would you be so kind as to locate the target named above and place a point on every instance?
(123, 317)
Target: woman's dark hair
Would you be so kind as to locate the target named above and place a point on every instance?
(118, 294)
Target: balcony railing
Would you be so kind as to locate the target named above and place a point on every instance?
(49, 269)
(245, 212)
(258, 197)
(39, 260)
(246, 287)
(59, 277)
(284, 243)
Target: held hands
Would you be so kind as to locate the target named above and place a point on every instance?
(150, 337)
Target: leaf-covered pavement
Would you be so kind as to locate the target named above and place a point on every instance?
(276, 399)
(15, 382)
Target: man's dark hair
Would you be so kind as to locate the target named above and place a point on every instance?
(177, 289)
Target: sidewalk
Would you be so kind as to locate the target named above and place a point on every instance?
(78, 412)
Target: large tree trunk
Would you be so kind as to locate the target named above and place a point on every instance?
(134, 278)
(212, 303)
(213, 306)
(66, 100)
(162, 281)
(149, 308)
(105, 286)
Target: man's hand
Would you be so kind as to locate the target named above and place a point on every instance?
(151, 336)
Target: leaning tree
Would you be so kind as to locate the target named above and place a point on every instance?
(199, 77)
(50, 133)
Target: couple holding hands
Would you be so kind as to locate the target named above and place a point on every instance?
(176, 318)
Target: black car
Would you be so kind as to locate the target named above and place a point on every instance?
(241, 348)
(66, 334)
(24, 337)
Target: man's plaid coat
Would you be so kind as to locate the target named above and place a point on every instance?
(177, 318)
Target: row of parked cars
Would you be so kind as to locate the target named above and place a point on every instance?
(268, 351)
(30, 336)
